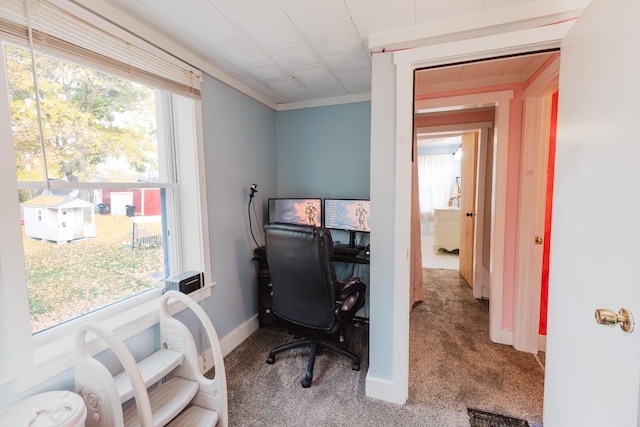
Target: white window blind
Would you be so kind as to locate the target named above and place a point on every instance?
(96, 43)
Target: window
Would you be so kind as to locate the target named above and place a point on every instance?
(95, 171)
(86, 246)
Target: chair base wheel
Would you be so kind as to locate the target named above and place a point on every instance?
(306, 382)
(271, 360)
(355, 366)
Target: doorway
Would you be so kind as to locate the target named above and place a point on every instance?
(455, 94)
(438, 189)
(501, 303)
(464, 208)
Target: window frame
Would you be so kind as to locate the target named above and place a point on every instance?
(32, 359)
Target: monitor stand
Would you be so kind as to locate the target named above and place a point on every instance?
(351, 252)
(352, 240)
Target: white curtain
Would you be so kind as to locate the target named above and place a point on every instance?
(434, 181)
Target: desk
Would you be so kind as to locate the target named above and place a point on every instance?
(265, 288)
(349, 258)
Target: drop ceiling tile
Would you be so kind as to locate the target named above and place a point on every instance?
(373, 17)
(263, 21)
(270, 34)
(145, 13)
(347, 59)
(316, 73)
(327, 89)
(266, 72)
(211, 27)
(355, 81)
(327, 25)
(243, 53)
(291, 89)
(294, 57)
(204, 26)
(261, 87)
(338, 36)
(310, 13)
(218, 59)
(437, 10)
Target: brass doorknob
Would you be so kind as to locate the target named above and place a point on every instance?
(607, 317)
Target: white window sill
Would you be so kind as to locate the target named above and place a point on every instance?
(54, 350)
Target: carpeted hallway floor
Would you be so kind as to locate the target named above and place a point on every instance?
(453, 363)
(453, 366)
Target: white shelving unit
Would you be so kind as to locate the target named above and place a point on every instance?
(164, 389)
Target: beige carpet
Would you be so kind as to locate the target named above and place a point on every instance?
(453, 366)
(453, 363)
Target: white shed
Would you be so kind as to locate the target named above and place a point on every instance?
(58, 219)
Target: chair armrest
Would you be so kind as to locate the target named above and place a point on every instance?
(349, 288)
(350, 297)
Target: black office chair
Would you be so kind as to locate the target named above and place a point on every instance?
(306, 293)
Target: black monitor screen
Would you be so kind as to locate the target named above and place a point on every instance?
(346, 214)
(296, 211)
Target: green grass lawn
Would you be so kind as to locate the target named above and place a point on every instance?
(68, 280)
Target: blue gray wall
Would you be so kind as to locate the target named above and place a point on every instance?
(324, 151)
(239, 149)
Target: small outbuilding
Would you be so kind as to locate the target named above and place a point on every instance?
(58, 219)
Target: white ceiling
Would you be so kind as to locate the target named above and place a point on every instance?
(294, 50)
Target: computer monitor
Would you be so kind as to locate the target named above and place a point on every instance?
(296, 211)
(349, 215)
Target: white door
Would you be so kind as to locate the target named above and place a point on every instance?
(593, 371)
(468, 170)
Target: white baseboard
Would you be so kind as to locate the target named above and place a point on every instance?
(542, 343)
(502, 337)
(229, 342)
(238, 335)
(386, 390)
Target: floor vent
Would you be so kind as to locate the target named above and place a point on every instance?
(479, 418)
